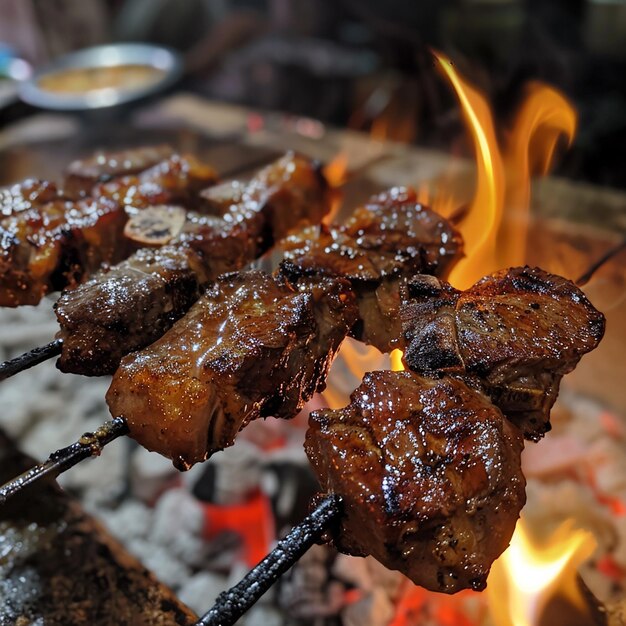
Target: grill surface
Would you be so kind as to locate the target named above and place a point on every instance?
(60, 567)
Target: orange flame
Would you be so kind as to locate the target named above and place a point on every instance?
(495, 238)
(543, 117)
(396, 361)
(481, 225)
(440, 199)
(524, 578)
(336, 173)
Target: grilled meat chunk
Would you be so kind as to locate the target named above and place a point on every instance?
(96, 317)
(127, 307)
(83, 174)
(26, 195)
(430, 474)
(175, 180)
(513, 334)
(54, 245)
(252, 346)
(48, 242)
(390, 238)
(115, 312)
(291, 192)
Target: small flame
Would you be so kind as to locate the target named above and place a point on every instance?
(495, 238)
(524, 578)
(336, 173)
(396, 360)
(440, 199)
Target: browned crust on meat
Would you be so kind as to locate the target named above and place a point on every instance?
(514, 333)
(430, 474)
(253, 346)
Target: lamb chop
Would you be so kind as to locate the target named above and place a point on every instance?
(50, 242)
(252, 346)
(430, 475)
(390, 238)
(131, 305)
(514, 334)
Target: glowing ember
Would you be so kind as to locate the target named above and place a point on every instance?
(524, 578)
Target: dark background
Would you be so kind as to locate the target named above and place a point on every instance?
(359, 63)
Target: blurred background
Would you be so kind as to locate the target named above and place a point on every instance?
(364, 64)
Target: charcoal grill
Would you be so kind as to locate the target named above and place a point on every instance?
(374, 166)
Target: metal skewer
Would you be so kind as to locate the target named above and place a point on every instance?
(90, 444)
(29, 359)
(232, 604)
(607, 256)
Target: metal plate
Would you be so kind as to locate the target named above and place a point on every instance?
(114, 55)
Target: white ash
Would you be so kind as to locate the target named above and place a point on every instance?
(240, 472)
(201, 590)
(148, 473)
(178, 523)
(372, 610)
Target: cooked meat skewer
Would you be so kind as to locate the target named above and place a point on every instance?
(31, 192)
(251, 347)
(390, 238)
(514, 334)
(260, 347)
(417, 240)
(171, 398)
(418, 461)
(430, 474)
(131, 305)
(49, 242)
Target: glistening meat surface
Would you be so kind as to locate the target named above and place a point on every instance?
(430, 474)
(82, 175)
(103, 319)
(55, 245)
(390, 238)
(513, 334)
(52, 240)
(252, 346)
